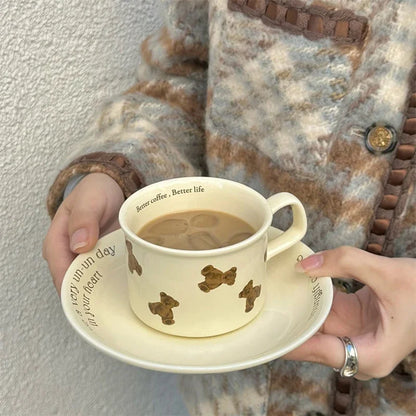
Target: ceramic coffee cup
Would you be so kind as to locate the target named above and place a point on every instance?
(201, 293)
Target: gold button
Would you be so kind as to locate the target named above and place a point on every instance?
(380, 138)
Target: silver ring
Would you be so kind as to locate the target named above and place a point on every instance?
(350, 367)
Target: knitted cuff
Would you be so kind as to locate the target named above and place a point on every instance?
(115, 165)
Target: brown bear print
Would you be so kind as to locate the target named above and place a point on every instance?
(164, 308)
(215, 278)
(133, 263)
(250, 293)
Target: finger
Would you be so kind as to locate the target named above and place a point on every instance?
(324, 349)
(321, 348)
(349, 262)
(56, 249)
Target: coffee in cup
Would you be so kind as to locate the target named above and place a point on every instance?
(196, 230)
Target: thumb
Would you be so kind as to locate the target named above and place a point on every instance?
(84, 225)
(93, 205)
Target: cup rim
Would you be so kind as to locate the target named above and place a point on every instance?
(197, 253)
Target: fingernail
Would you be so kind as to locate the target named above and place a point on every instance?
(310, 263)
(79, 239)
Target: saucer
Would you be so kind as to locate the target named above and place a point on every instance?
(95, 302)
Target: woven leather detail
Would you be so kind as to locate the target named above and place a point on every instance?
(313, 22)
(125, 174)
(116, 165)
(398, 182)
(344, 393)
(390, 208)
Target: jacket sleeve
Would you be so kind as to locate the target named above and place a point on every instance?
(155, 130)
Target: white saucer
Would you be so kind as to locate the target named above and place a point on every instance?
(95, 301)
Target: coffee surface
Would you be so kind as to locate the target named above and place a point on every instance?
(196, 230)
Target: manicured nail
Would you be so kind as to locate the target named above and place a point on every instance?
(310, 263)
(79, 239)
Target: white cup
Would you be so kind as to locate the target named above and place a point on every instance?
(168, 287)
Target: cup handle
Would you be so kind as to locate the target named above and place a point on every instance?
(296, 231)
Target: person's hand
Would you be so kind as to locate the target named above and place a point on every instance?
(89, 211)
(380, 318)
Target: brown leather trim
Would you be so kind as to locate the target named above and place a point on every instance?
(344, 396)
(313, 22)
(382, 232)
(115, 165)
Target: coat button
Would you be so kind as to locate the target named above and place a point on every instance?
(380, 138)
